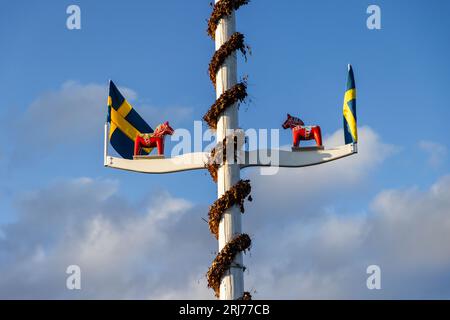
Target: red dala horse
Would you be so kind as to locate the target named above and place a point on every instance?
(302, 132)
(151, 140)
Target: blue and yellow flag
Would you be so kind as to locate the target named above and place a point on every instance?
(350, 119)
(125, 124)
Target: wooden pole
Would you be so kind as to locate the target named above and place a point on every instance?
(232, 283)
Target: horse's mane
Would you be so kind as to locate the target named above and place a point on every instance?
(158, 130)
(295, 120)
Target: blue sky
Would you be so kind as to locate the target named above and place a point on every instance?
(159, 51)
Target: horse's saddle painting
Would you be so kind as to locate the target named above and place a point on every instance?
(305, 131)
(146, 137)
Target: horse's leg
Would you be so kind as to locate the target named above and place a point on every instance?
(318, 136)
(296, 138)
(137, 146)
(161, 143)
(160, 146)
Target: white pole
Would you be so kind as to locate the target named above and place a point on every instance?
(232, 283)
(105, 147)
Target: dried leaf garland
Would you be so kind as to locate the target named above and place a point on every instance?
(223, 260)
(218, 155)
(213, 166)
(236, 42)
(222, 9)
(237, 93)
(246, 296)
(235, 196)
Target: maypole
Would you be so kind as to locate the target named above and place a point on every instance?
(129, 134)
(226, 273)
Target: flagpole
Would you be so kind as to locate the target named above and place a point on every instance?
(105, 142)
(105, 146)
(232, 283)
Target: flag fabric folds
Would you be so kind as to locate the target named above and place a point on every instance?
(125, 124)
(350, 119)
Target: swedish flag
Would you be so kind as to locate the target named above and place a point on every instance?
(125, 123)
(350, 119)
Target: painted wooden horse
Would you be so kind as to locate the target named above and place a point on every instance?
(151, 140)
(302, 132)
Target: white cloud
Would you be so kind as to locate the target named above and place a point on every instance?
(405, 232)
(72, 114)
(75, 114)
(416, 223)
(303, 246)
(308, 186)
(124, 251)
(437, 153)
